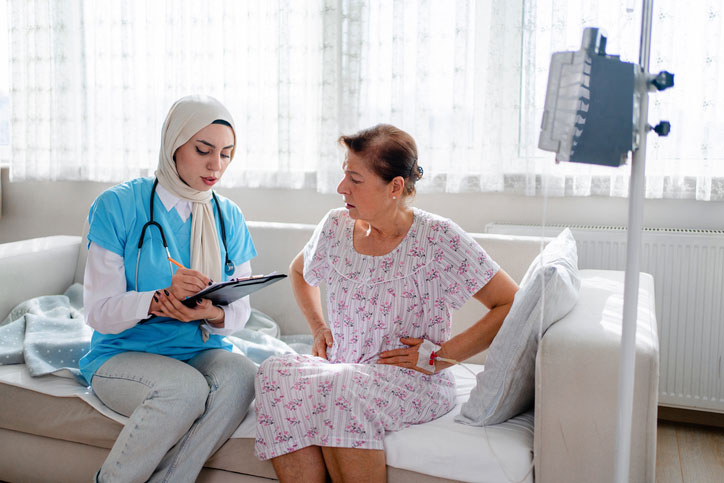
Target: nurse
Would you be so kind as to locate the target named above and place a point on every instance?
(164, 365)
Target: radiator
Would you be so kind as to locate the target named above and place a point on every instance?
(688, 270)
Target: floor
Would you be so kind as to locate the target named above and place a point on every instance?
(689, 453)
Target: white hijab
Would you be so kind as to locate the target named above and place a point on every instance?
(188, 116)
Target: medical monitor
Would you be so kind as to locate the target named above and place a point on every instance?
(590, 107)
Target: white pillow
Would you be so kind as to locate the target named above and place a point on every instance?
(505, 388)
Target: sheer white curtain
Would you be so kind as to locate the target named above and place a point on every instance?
(447, 72)
(688, 40)
(468, 80)
(91, 82)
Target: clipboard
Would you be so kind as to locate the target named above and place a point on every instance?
(223, 293)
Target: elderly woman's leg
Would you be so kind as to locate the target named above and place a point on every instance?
(305, 465)
(351, 464)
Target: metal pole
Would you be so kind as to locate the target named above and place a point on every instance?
(633, 250)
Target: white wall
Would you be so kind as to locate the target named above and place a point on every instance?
(33, 209)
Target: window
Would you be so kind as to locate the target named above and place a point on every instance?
(4, 87)
(465, 78)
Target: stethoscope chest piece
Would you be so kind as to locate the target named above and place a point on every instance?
(229, 268)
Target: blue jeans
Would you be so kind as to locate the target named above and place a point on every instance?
(179, 413)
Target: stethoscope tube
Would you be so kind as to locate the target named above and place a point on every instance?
(229, 266)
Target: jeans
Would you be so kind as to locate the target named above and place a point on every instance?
(179, 413)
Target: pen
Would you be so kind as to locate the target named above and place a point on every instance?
(175, 262)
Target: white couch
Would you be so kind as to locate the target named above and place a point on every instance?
(45, 437)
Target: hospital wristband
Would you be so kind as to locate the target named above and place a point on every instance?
(426, 354)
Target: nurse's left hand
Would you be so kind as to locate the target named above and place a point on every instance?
(165, 304)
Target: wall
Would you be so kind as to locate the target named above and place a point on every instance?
(33, 209)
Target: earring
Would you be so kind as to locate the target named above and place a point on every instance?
(394, 197)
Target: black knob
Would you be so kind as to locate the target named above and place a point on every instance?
(663, 80)
(663, 128)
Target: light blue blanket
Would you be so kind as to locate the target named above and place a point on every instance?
(49, 335)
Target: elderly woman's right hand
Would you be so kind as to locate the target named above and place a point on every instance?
(322, 340)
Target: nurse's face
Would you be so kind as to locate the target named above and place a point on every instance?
(203, 159)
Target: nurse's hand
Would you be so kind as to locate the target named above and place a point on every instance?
(165, 304)
(187, 282)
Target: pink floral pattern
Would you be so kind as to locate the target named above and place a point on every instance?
(372, 301)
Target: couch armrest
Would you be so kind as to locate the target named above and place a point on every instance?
(576, 387)
(39, 266)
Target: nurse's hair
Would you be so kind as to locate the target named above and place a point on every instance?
(223, 123)
(391, 153)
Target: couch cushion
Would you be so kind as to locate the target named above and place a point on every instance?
(72, 419)
(82, 253)
(277, 244)
(506, 386)
(66, 418)
(497, 452)
(54, 257)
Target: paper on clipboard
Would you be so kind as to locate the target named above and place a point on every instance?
(223, 293)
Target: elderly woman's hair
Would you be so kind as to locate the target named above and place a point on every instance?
(391, 151)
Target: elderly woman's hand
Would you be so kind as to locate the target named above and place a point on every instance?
(406, 357)
(322, 340)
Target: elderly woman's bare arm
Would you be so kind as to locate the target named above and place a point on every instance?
(497, 295)
(309, 301)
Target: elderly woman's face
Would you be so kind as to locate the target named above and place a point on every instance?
(203, 159)
(365, 193)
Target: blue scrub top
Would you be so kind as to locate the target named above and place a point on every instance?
(116, 219)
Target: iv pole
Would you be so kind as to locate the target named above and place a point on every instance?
(633, 251)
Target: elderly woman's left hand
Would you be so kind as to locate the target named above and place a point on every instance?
(406, 357)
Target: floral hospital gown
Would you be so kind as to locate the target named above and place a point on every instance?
(372, 301)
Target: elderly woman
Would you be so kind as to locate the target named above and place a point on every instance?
(167, 366)
(394, 274)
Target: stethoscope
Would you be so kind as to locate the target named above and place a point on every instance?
(228, 264)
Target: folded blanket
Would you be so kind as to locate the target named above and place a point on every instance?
(49, 335)
(261, 338)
